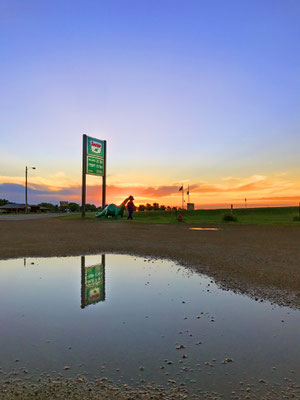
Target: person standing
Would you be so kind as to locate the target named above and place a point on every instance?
(130, 207)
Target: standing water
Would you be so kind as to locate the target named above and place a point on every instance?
(134, 320)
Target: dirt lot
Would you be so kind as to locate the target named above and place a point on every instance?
(263, 261)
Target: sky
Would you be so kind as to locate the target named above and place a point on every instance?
(204, 94)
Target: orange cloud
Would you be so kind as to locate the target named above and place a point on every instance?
(258, 189)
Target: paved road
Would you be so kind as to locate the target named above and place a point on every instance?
(22, 217)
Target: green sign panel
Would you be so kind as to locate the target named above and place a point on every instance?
(95, 166)
(95, 147)
(94, 284)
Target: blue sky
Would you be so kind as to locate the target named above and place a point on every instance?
(183, 91)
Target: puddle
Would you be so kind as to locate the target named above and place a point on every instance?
(204, 229)
(124, 318)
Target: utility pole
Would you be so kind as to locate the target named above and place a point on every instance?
(26, 199)
(26, 203)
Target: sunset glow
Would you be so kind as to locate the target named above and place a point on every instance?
(259, 190)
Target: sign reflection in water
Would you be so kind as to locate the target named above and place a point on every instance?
(92, 282)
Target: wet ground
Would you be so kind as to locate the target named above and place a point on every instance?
(136, 321)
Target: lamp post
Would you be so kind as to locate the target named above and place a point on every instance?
(26, 203)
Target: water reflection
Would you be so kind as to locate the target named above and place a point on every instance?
(204, 229)
(92, 282)
(160, 322)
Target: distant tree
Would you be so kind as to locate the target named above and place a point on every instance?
(168, 208)
(90, 207)
(155, 206)
(56, 208)
(48, 205)
(174, 208)
(162, 208)
(141, 207)
(149, 207)
(74, 207)
(3, 202)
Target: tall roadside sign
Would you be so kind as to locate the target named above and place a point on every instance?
(93, 163)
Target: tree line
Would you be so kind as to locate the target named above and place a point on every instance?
(75, 207)
(155, 207)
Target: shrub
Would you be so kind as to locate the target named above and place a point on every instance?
(229, 218)
(296, 218)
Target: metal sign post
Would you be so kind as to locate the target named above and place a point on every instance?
(104, 178)
(93, 163)
(83, 196)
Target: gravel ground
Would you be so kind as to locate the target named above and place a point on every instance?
(78, 389)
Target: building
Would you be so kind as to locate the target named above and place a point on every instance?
(190, 206)
(15, 208)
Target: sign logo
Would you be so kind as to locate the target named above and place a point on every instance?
(96, 147)
(92, 283)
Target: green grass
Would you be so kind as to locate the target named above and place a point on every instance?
(256, 216)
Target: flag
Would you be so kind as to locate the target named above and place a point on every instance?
(180, 188)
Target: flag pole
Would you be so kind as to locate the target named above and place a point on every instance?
(182, 199)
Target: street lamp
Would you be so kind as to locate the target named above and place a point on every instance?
(26, 203)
